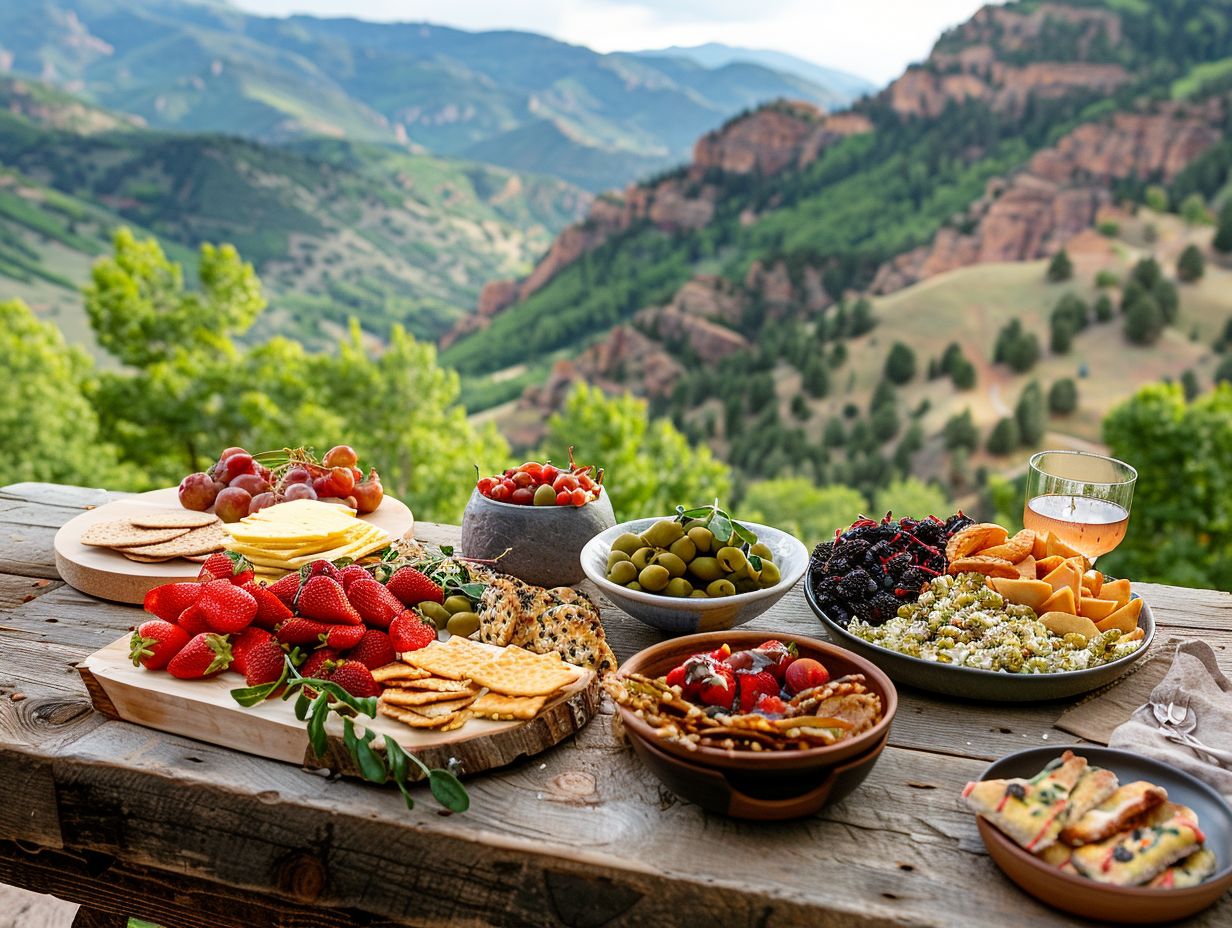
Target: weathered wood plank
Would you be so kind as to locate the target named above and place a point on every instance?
(58, 494)
(14, 591)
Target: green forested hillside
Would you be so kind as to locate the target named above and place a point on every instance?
(516, 99)
(338, 228)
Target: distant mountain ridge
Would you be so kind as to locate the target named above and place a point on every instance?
(516, 99)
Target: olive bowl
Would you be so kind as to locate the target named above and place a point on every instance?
(687, 616)
(537, 544)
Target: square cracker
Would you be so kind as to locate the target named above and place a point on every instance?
(498, 706)
(453, 662)
(416, 698)
(435, 685)
(413, 719)
(396, 672)
(520, 673)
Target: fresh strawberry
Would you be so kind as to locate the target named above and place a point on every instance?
(374, 650)
(374, 603)
(204, 655)
(286, 588)
(264, 662)
(270, 609)
(323, 599)
(216, 567)
(318, 568)
(350, 574)
(693, 674)
(409, 632)
(719, 688)
(243, 577)
(771, 705)
(296, 630)
(154, 643)
(355, 678)
(780, 656)
(412, 587)
(755, 685)
(227, 608)
(344, 637)
(243, 644)
(314, 666)
(192, 620)
(170, 599)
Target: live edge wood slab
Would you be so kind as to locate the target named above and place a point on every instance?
(131, 821)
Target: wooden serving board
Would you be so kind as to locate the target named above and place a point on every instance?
(204, 710)
(108, 574)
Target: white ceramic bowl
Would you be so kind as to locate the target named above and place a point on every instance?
(689, 616)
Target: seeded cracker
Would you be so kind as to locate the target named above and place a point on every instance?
(123, 534)
(173, 518)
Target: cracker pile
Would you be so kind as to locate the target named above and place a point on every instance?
(560, 620)
(442, 686)
(159, 535)
(286, 536)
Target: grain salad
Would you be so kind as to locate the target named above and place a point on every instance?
(960, 620)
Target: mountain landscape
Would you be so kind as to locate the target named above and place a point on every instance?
(513, 99)
(799, 294)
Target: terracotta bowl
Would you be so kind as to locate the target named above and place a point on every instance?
(1124, 905)
(660, 658)
(542, 544)
(687, 616)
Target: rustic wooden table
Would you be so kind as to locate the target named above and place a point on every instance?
(130, 821)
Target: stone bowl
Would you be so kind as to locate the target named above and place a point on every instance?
(543, 543)
(690, 616)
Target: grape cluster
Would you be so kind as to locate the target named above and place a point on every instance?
(873, 567)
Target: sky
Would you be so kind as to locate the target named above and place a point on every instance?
(875, 39)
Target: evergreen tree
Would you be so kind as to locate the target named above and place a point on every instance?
(1103, 308)
(799, 408)
(816, 379)
(1004, 437)
(1223, 231)
(1190, 266)
(1062, 335)
(883, 395)
(1060, 268)
(960, 431)
(912, 442)
(1190, 385)
(862, 319)
(884, 422)
(1144, 321)
(1063, 397)
(834, 435)
(1023, 352)
(1193, 210)
(963, 374)
(1223, 373)
(900, 363)
(1031, 415)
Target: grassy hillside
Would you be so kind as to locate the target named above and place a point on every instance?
(211, 67)
(336, 228)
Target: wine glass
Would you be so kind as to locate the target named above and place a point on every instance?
(1083, 499)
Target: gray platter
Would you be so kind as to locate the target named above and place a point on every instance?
(989, 685)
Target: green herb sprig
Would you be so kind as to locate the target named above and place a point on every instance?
(722, 526)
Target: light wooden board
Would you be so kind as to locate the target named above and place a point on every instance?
(204, 710)
(108, 574)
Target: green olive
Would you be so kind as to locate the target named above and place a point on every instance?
(545, 495)
(463, 623)
(749, 572)
(702, 538)
(731, 559)
(769, 574)
(457, 603)
(642, 557)
(698, 594)
(762, 550)
(675, 566)
(654, 577)
(684, 548)
(694, 523)
(745, 585)
(679, 587)
(634, 586)
(435, 613)
(628, 543)
(614, 557)
(705, 568)
(663, 533)
(622, 572)
(721, 588)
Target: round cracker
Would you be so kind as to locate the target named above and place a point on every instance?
(197, 541)
(173, 518)
(142, 559)
(123, 534)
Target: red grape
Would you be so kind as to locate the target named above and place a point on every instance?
(534, 468)
(522, 496)
(500, 493)
(234, 465)
(298, 475)
(232, 504)
(299, 491)
(252, 483)
(368, 493)
(322, 487)
(260, 501)
(341, 480)
(230, 451)
(197, 491)
(522, 479)
(340, 456)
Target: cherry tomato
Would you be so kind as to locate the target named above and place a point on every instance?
(534, 468)
(585, 482)
(522, 479)
(500, 493)
(549, 473)
(523, 496)
(485, 485)
(565, 482)
(564, 498)
(580, 497)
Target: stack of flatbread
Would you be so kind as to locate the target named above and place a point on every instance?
(443, 685)
(560, 620)
(1079, 819)
(156, 535)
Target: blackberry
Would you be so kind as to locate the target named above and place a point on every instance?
(956, 523)
(856, 585)
(898, 564)
(854, 548)
(913, 580)
(880, 609)
(931, 533)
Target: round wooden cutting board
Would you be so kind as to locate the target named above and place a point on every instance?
(107, 574)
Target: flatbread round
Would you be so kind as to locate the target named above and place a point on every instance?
(123, 534)
(173, 518)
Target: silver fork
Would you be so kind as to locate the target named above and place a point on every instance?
(1178, 722)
